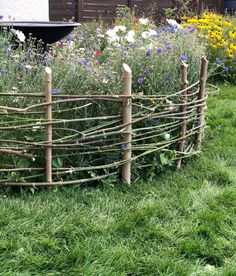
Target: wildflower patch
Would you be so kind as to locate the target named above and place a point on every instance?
(131, 135)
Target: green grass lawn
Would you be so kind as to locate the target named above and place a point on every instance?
(183, 223)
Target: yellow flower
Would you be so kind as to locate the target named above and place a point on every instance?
(212, 35)
(232, 46)
(223, 42)
(229, 53)
(217, 27)
(227, 23)
(218, 37)
(152, 101)
(232, 35)
(219, 33)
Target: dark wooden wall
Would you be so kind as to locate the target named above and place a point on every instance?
(84, 10)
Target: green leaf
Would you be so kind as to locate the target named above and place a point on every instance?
(32, 190)
(23, 163)
(57, 162)
(164, 159)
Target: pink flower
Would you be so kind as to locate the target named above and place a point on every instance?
(97, 54)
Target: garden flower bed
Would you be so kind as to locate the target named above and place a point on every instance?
(87, 134)
(219, 34)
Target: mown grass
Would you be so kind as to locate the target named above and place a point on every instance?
(183, 223)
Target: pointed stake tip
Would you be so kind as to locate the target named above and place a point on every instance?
(204, 59)
(184, 64)
(127, 68)
(48, 70)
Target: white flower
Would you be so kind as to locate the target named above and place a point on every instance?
(171, 105)
(29, 67)
(169, 102)
(19, 35)
(112, 36)
(152, 32)
(16, 99)
(105, 80)
(145, 35)
(151, 46)
(131, 33)
(70, 44)
(144, 21)
(210, 268)
(111, 32)
(149, 33)
(36, 126)
(167, 136)
(116, 45)
(130, 36)
(174, 23)
(130, 39)
(120, 28)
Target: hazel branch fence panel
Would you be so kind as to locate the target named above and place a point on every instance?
(87, 10)
(42, 144)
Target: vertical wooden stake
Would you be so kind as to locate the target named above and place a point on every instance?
(183, 101)
(198, 6)
(80, 6)
(201, 96)
(48, 117)
(127, 119)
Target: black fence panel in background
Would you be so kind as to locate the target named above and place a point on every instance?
(87, 10)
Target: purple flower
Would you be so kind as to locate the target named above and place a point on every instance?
(28, 53)
(1, 17)
(168, 48)
(140, 80)
(171, 28)
(69, 38)
(55, 91)
(226, 69)
(148, 53)
(159, 50)
(184, 58)
(147, 69)
(123, 146)
(153, 121)
(198, 36)
(168, 78)
(219, 61)
(85, 62)
(133, 45)
(3, 70)
(192, 30)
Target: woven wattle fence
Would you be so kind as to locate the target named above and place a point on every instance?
(40, 145)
